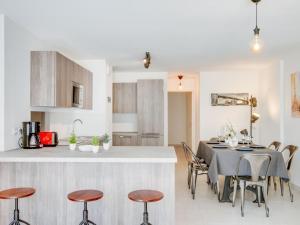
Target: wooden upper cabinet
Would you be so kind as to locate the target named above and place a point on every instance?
(124, 98)
(52, 77)
(150, 107)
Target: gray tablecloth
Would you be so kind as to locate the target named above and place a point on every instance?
(225, 161)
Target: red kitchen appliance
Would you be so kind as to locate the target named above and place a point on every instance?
(48, 138)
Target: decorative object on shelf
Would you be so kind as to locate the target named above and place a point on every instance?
(256, 44)
(231, 136)
(106, 141)
(180, 87)
(72, 141)
(295, 82)
(229, 99)
(95, 144)
(147, 60)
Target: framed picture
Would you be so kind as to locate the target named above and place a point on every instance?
(229, 99)
(295, 82)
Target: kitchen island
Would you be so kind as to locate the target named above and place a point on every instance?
(55, 172)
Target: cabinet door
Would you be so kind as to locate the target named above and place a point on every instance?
(42, 79)
(88, 89)
(62, 81)
(124, 140)
(150, 106)
(124, 98)
(145, 140)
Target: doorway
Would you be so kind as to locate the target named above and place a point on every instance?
(180, 118)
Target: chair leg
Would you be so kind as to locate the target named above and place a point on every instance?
(189, 175)
(193, 184)
(264, 191)
(218, 189)
(242, 185)
(207, 179)
(275, 184)
(235, 183)
(258, 189)
(291, 194)
(196, 176)
(281, 186)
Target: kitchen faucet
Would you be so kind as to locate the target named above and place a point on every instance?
(74, 123)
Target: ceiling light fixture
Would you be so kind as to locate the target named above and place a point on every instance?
(256, 43)
(180, 87)
(147, 60)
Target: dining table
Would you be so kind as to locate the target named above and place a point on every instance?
(223, 160)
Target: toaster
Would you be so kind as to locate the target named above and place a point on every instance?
(48, 138)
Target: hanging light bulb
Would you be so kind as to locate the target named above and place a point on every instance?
(180, 87)
(256, 44)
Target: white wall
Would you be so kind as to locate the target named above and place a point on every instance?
(178, 123)
(291, 124)
(212, 118)
(96, 122)
(18, 44)
(1, 82)
(271, 110)
(129, 77)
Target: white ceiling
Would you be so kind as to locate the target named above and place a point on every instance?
(182, 35)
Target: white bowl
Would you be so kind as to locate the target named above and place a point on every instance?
(85, 148)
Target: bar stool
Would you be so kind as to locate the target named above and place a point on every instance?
(16, 194)
(85, 196)
(145, 196)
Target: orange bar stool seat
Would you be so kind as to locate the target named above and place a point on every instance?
(16, 194)
(145, 196)
(85, 196)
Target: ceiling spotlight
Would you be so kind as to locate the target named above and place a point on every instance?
(180, 87)
(147, 60)
(256, 44)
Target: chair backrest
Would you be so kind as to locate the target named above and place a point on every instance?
(187, 154)
(256, 162)
(275, 145)
(288, 153)
(190, 156)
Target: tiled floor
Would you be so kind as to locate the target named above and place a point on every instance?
(206, 210)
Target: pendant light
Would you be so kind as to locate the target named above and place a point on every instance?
(256, 44)
(180, 87)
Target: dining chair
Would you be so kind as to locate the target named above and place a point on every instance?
(256, 163)
(275, 145)
(288, 153)
(196, 167)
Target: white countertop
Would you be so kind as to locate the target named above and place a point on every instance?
(128, 154)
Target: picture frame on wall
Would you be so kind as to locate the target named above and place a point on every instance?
(229, 99)
(295, 90)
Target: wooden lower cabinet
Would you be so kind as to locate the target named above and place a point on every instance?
(125, 140)
(148, 140)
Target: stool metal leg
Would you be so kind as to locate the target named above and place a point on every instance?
(17, 220)
(85, 220)
(145, 215)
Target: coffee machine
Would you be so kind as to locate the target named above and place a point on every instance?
(30, 135)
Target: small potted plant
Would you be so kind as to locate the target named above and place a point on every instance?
(106, 141)
(72, 142)
(95, 144)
